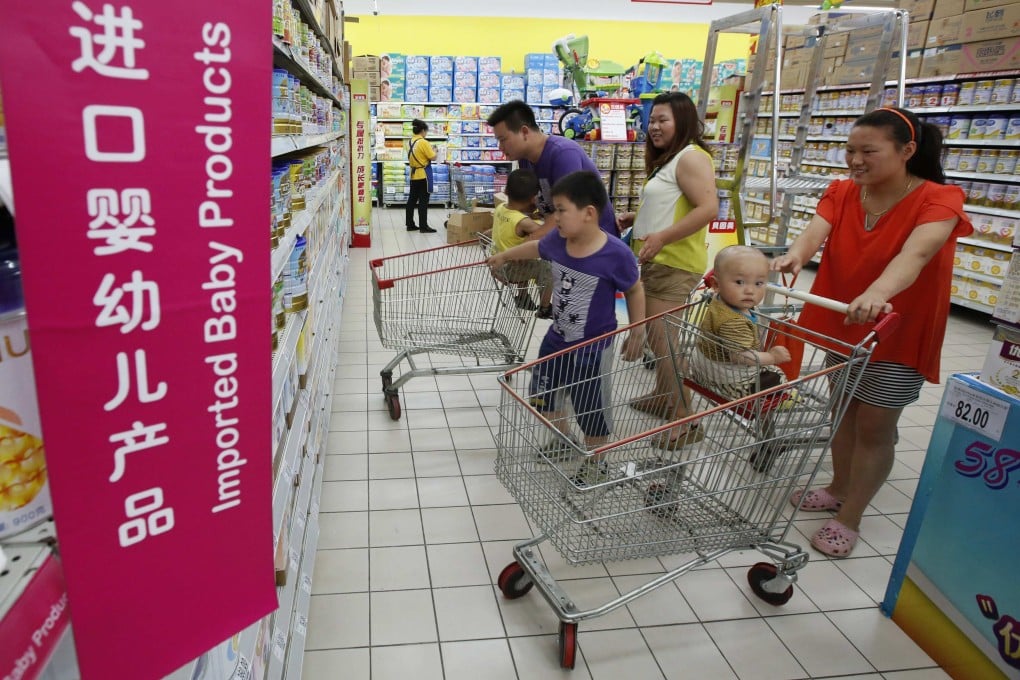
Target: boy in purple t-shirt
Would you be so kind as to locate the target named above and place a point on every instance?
(588, 268)
(550, 157)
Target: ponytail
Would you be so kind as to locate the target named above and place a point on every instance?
(905, 127)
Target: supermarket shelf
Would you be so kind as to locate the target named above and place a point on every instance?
(311, 20)
(837, 112)
(284, 144)
(283, 55)
(782, 114)
(300, 221)
(974, 108)
(432, 137)
(982, 142)
(984, 244)
(246, 651)
(972, 304)
(976, 276)
(825, 164)
(286, 351)
(982, 176)
(23, 560)
(6, 193)
(983, 210)
(283, 483)
(823, 138)
(478, 162)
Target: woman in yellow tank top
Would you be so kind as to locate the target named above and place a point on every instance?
(677, 203)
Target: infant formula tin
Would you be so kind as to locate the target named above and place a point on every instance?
(968, 160)
(978, 193)
(996, 195)
(915, 96)
(965, 97)
(1013, 128)
(932, 95)
(950, 92)
(952, 160)
(983, 92)
(995, 127)
(942, 123)
(1002, 91)
(1005, 164)
(987, 159)
(1011, 198)
(959, 127)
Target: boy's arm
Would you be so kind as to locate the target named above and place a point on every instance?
(634, 345)
(526, 251)
(532, 229)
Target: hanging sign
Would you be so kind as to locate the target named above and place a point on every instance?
(142, 222)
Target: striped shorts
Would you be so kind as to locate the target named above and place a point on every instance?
(883, 383)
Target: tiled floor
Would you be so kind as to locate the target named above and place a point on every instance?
(415, 528)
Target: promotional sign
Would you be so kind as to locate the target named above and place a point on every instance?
(32, 628)
(959, 547)
(139, 150)
(613, 122)
(361, 172)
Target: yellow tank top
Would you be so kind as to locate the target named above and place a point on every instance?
(504, 228)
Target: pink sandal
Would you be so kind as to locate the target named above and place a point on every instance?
(834, 539)
(815, 500)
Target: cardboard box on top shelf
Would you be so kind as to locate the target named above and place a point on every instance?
(374, 93)
(462, 226)
(915, 59)
(970, 5)
(991, 23)
(366, 62)
(853, 72)
(948, 8)
(988, 55)
(920, 10)
(1007, 307)
(793, 77)
(834, 51)
(944, 31)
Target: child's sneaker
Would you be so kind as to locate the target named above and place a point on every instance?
(591, 473)
(558, 450)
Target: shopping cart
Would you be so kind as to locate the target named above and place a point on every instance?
(630, 498)
(445, 302)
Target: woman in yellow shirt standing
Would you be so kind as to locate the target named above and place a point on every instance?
(419, 155)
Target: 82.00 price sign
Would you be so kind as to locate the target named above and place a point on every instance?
(975, 410)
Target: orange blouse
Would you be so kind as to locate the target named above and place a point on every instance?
(854, 258)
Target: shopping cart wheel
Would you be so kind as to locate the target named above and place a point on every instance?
(393, 405)
(568, 644)
(387, 379)
(513, 582)
(762, 573)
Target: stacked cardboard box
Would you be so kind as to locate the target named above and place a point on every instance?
(416, 78)
(465, 79)
(366, 67)
(542, 76)
(441, 79)
(981, 36)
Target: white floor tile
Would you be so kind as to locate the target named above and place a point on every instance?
(434, 439)
(343, 530)
(347, 442)
(350, 402)
(460, 399)
(687, 652)
(457, 564)
(398, 568)
(472, 438)
(881, 533)
(713, 596)
(501, 523)
(537, 658)
(435, 464)
(753, 650)
(477, 462)
(345, 468)
(449, 525)
(467, 613)
(322, 665)
(380, 420)
(871, 574)
(426, 419)
(344, 496)
(350, 421)
(336, 621)
(340, 571)
(390, 466)
(395, 527)
(392, 494)
(400, 662)
(486, 490)
(616, 654)
(917, 674)
(663, 606)
(880, 640)
(818, 645)
(352, 386)
(829, 588)
(438, 492)
(388, 441)
(474, 659)
(401, 617)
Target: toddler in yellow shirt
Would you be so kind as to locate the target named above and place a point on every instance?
(512, 226)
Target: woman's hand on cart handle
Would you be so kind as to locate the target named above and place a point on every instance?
(885, 319)
(787, 263)
(867, 308)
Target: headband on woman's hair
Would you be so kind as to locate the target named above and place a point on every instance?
(913, 133)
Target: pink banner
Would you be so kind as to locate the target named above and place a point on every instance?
(139, 143)
(33, 626)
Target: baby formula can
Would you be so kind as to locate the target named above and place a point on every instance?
(952, 160)
(932, 95)
(915, 96)
(987, 160)
(1005, 164)
(950, 92)
(996, 195)
(965, 97)
(959, 127)
(978, 193)
(995, 127)
(983, 92)
(1002, 91)
(1013, 128)
(968, 160)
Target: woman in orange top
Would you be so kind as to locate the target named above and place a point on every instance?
(891, 230)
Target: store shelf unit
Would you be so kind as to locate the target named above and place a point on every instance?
(622, 168)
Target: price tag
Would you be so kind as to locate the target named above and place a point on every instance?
(306, 584)
(301, 626)
(975, 410)
(243, 671)
(279, 644)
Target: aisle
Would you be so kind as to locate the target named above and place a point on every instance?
(414, 532)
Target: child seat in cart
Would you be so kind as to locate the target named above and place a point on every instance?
(644, 495)
(445, 303)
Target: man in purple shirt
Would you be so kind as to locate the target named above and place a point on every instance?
(550, 157)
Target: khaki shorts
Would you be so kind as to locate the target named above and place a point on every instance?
(663, 282)
(522, 271)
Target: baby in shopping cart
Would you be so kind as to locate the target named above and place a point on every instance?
(589, 268)
(728, 357)
(512, 226)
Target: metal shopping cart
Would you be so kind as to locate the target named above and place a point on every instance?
(445, 302)
(638, 497)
